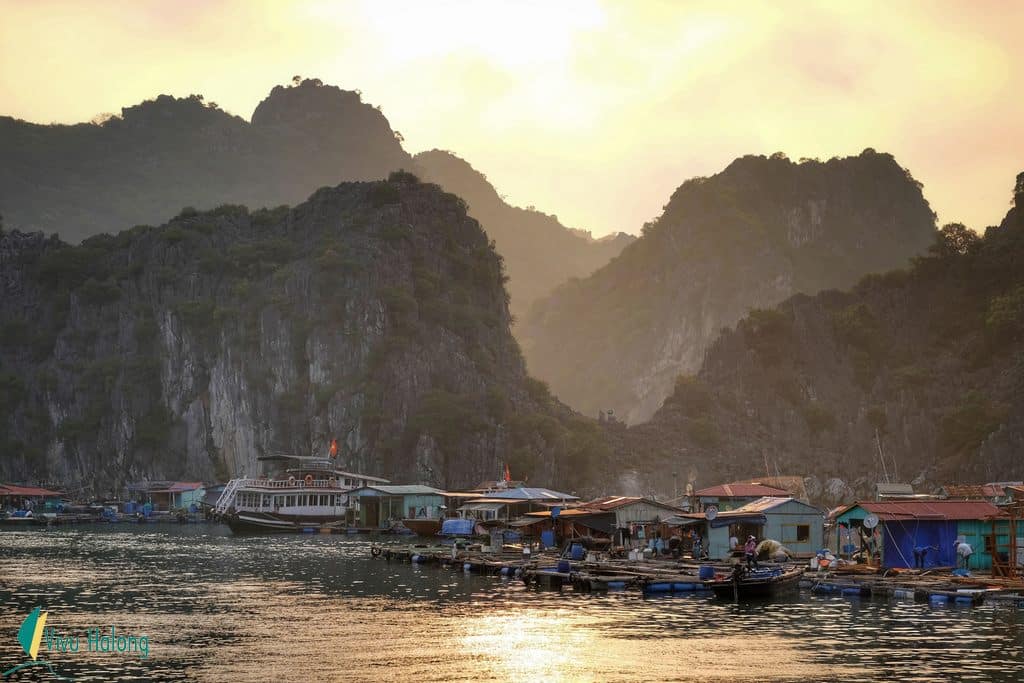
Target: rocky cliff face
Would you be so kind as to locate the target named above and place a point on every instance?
(373, 313)
(539, 251)
(913, 376)
(167, 153)
(749, 237)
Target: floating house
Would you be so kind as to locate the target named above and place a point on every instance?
(934, 524)
(623, 520)
(795, 524)
(726, 497)
(719, 527)
(165, 496)
(13, 497)
(509, 504)
(379, 506)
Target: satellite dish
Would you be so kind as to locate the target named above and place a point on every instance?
(871, 521)
(710, 513)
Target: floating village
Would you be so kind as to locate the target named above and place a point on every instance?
(744, 540)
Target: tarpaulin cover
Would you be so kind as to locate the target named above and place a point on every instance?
(902, 536)
(457, 527)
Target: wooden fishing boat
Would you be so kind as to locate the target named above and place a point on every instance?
(757, 583)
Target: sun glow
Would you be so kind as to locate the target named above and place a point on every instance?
(591, 109)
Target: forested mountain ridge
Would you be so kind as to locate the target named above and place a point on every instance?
(915, 375)
(540, 252)
(373, 313)
(748, 237)
(166, 153)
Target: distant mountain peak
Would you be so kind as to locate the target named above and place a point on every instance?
(309, 100)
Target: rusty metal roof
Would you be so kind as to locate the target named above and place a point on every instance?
(931, 509)
(616, 502)
(12, 490)
(741, 490)
(978, 491)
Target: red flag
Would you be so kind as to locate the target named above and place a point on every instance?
(508, 474)
(334, 448)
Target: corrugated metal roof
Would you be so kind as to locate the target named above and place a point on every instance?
(529, 493)
(404, 490)
(741, 490)
(980, 491)
(772, 502)
(930, 509)
(883, 489)
(616, 502)
(12, 490)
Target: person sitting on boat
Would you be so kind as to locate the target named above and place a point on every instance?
(698, 546)
(750, 552)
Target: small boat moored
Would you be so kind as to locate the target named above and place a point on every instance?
(757, 583)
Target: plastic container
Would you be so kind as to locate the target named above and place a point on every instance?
(564, 567)
(577, 552)
(706, 572)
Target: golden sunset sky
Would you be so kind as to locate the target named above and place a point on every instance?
(594, 111)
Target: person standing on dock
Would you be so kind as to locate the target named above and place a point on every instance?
(919, 554)
(963, 553)
(750, 552)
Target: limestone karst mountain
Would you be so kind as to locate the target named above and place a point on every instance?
(749, 237)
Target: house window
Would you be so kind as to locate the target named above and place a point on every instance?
(289, 501)
(796, 533)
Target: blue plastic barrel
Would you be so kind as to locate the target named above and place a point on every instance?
(576, 552)
(707, 572)
(564, 567)
(547, 538)
(658, 587)
(684, 587)
(619, 585)
(938, 599)
(851, 591)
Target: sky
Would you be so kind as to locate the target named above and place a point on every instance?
(591, 110)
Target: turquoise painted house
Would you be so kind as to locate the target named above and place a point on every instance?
(378, 507)
(933, 524)
(796, 525)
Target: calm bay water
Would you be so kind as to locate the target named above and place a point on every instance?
(222, 608)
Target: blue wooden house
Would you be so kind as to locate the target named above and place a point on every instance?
(933, 524)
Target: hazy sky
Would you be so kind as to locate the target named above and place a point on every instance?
(595, 111)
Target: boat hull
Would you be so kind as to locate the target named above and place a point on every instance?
(423, 527)
(267, 523)
(757, 587)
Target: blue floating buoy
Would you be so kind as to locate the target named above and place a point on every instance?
(658, 587)
(467, 567)
(684, 587)
(851, 591)
(964, 600)
(938, 599)
(618, 585)
(504, 571)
